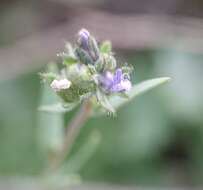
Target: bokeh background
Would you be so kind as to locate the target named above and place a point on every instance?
(157, 140)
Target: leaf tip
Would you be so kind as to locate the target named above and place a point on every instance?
(162, 80)
(166, 79)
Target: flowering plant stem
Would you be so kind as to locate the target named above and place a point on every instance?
(72, 133)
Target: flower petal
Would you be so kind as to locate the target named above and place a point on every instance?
(107, 80)
(117, 76)
(126, 84)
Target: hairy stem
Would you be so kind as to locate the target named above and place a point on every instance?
(72, 132)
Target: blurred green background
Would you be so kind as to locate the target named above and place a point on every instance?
(155, 140)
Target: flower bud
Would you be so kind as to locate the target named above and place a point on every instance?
(110, 62)
(89, 45)
(81, 78)
(94, 49)
(83, 56)
(83, 39)
(78, 72)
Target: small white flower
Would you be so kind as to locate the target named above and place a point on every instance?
(62, 84)
(126, 84)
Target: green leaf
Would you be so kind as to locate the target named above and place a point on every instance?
(137, 90)
(58, 107)
(50, 131)
(69, 60)
(51, 127)
(106, 47)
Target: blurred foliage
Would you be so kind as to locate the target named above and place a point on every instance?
(18, 132)
(157, 139)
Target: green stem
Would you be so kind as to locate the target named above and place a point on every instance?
(72, 133)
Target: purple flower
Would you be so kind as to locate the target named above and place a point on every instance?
(84, 38)
(116, 82)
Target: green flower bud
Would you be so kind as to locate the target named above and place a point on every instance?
(94, 50)
(81, 78)
(78, 72)
(83, 56)
(69, 95)
(109, 62)
(106, 47)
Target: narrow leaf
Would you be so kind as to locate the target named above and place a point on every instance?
(50, 126)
